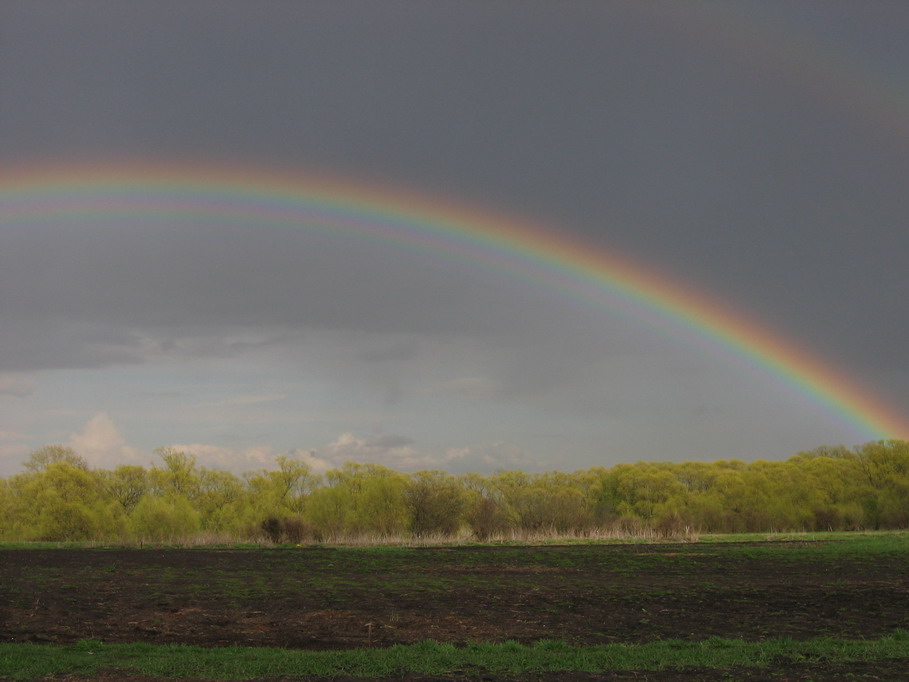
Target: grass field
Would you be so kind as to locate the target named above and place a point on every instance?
(799, 607)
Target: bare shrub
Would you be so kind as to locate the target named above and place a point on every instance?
(273, 529)
(290, 529)
(486, 519)
(296, 531)
(671, 525)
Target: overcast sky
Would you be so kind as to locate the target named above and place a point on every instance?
(757, 151)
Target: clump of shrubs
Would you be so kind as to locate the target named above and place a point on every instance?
(288, 530)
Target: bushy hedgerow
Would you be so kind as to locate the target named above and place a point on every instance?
(59, 497)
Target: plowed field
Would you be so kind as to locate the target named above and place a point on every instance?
(334, 598)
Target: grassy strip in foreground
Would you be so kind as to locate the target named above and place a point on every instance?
(30, 661)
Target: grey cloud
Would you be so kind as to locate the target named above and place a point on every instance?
(396, 350)
(388, 440)
(17, 384)
(778, 184)
(487, 458)
(50, 344)
(671, 152)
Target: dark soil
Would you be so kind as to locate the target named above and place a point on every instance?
(893, 669)
(322, 598)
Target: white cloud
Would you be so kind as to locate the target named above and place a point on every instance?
(102, 445)
(247, 459)
(219, 457)
(398, 453)
(317, 464)
(488, 458)
(17, 384)
(393, 451)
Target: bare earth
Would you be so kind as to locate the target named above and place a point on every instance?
(323, 598)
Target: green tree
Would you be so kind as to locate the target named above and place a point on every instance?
(158, 519)
(380, 506)
(126, 484)
(885, 466)
(841, 488)
(329, 511)
(436, 503)
(64, 502)
(549, 502)
(644, 490)
(224, 503)
(180, 476)
(485, 511)
(360, 498)
(283, 491)
(8, 516)
(41, 458)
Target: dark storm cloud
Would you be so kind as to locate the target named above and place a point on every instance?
(53, 344)
(65, 289)
(663, 135)
(605, 119)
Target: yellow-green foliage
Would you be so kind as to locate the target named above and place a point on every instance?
(61, 502)
(435, 503)
(164, 519)
(359, 499)
(59, 497)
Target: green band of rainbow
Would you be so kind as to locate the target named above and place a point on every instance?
(54, 193)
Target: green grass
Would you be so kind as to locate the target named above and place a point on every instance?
(822, 546)
(872, 536)
(33, 661)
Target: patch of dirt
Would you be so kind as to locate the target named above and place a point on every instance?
(322, 598)
(888, 669)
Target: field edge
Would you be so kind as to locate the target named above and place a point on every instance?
(27, 661)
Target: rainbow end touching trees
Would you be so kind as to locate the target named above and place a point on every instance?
(58, 497)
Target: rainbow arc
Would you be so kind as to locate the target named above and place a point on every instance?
(535, 253)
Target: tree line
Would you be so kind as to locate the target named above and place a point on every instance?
(58, 496)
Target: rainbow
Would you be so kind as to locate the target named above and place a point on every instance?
(55, 193)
